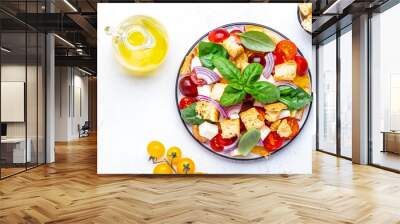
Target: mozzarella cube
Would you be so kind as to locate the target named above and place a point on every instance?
(285, 71)
(217, 91)
(204, 90)
(208, 130)
(264, 131)
(195, 62)
(284, 113)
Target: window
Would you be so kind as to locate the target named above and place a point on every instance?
(385, 89)
(327, 96)
(346, 93)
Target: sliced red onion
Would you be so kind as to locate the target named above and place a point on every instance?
(215, 103)
(240, 28)
(260, 143)
(197, 81)
(206, 74)
(231, 147)
(285, 83)
(232, 110)
(269, 65)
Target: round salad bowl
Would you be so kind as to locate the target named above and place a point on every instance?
(192, 65)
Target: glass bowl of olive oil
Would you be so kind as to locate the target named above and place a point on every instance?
(140, 44)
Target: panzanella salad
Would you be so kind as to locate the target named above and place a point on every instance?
(244, 91)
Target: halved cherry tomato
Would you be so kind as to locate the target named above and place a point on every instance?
(294, 126)
(225, 141)
(287, 49)
(278, 58)
(273, 142)
(187, 87)
(216, 145)
(302, 65)
(186, 101)
(218, 35)
(242, 127)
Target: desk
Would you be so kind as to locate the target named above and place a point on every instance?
(17, 150)
(391, 141)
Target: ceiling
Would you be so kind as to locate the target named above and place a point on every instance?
(75, 23)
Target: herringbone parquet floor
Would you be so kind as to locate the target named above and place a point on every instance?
(69, 191)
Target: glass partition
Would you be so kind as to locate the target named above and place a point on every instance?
(327, 96)
(385, 89)
(346, 93)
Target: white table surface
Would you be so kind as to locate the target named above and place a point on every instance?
(133, 111)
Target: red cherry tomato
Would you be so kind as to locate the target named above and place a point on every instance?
(302, 65)
(216, 145)
(294, 126)
(225, 141)
(218, 35)
(287, 49)
(242, 127)
(197, 81)
(278, 58)
(187, 87)
(273, 142)
(186, 101)
(258, 58)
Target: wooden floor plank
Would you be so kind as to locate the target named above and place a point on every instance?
(70, 191)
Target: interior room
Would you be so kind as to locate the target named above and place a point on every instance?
(50, 157)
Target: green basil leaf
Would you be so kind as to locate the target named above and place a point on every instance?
(263, 92)
(248, 141)
(296, 99)
(252, 73)
(231, 96)
(206, 52)
(285, 90)
(257, 41)
(190, 116)
(206, 61)
(227, 69)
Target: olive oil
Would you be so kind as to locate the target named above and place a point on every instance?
(140, 44)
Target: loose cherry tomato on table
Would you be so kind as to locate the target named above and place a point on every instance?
(258, 58)
(273, 141)
(302, 65)
(294, 126)
(185, 166)
(186, 101)
(218, 35)
(187, 87)
(216, 145)
(287, 49)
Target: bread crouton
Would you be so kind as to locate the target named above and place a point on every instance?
(207, 111)
(187, 64)
(251, 119)
(272, 111)
(196, 134)
(305, 9)
(241, 61)
(234, 49)
(230, 128)
(284, 129)
(275, 125)
(285, 71)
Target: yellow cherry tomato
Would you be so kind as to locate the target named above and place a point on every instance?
(163, 168)
(185, 166)
(174, 154)
(156, 150)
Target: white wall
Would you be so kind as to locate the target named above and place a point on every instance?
(71, 102)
